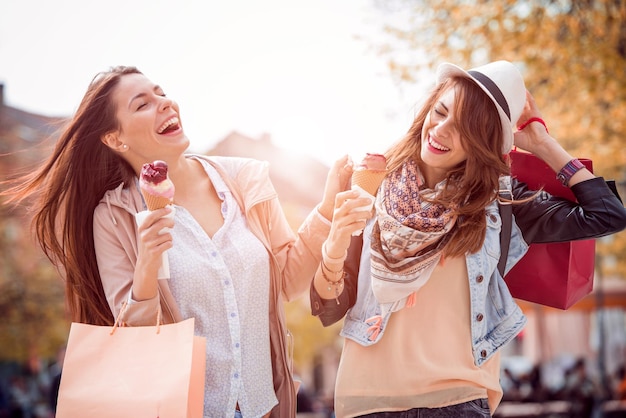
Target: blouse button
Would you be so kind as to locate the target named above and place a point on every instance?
(479, 317)
(316, 305)
(483, 353)
(480, 279)
(493, 218)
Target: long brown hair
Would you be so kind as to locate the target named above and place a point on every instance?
(66, 190)
(473, 184)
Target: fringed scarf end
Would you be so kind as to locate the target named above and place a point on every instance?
(410, 300)
(375, 322)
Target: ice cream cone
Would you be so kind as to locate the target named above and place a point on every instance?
(368, 180)
(154, 202)
(156, 187)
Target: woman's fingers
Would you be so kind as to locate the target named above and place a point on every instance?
(155, 232)
(351, 213)
(338, 180)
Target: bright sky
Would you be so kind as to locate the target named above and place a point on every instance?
(292, 68)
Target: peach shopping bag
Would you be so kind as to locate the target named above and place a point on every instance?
(134, 372)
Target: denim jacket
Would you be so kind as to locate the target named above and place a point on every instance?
(496, 318)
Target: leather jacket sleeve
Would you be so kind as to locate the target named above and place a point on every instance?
(546, 218)
(328, 310)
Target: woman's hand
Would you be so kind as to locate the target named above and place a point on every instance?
(338, 180)
(154, 239)
(348, 218)
(534, 136)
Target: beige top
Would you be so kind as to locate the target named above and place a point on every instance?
(425, 357)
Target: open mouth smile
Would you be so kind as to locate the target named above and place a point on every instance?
(171, 125)
(436, 145)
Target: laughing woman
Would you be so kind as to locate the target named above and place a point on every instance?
(233, 257)
(426, 310)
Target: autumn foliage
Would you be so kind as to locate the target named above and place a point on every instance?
(572, 55)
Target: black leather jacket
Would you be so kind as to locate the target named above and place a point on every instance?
(547, 218)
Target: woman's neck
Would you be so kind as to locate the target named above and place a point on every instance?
(432, 176)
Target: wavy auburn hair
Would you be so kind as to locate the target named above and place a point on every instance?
(473, 184)
(66, 190)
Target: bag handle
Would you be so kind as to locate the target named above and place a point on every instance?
(506, 215)
(118, 320)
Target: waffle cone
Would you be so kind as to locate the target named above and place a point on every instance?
(154, 202)
(368, 180)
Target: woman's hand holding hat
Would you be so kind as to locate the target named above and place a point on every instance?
(533, 136)
(532, 133)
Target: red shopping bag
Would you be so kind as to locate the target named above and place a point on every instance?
(554, 274)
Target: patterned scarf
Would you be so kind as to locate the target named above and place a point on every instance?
(407, 237)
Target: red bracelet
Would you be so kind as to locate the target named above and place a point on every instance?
(531, 120)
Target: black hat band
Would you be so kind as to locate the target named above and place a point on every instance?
(493, 89)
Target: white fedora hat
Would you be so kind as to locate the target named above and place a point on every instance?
(504, 85)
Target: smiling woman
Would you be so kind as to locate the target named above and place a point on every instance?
(149, 123)
(227, 268)
(420, 286)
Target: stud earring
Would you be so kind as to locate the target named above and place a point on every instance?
(124, 147)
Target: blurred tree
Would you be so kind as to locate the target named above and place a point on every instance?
(310, 337)
(31, 296)
(34, 323)
(572, 54)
